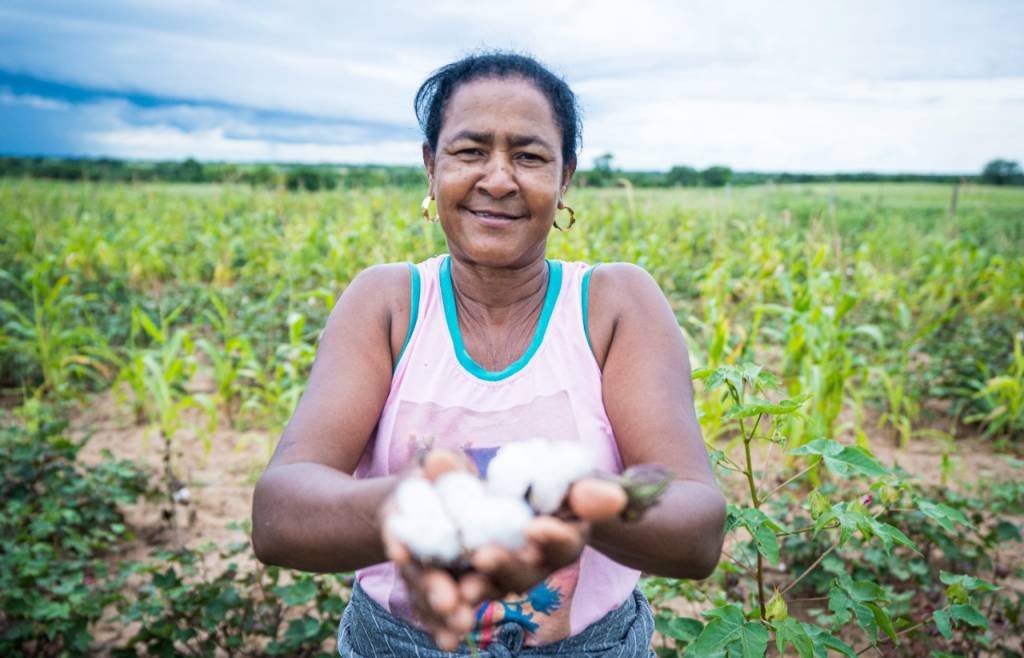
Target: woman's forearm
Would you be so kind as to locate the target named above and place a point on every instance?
(680, 537)
(312, 517)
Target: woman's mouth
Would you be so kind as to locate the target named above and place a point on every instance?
(494, 214)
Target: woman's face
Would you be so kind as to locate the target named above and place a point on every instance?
(498, 173)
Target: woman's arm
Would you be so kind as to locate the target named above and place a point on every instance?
(648, 395)
(309, 512)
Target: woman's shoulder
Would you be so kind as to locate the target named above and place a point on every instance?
(621, 285)
(618, 291)
(383, 296)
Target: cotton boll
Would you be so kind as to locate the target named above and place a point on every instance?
(510, 517)
(483, 518)
(417, 495)
(510, 472)
(544, 468)
(493, 520)
(420, 522)
(564, 464)
(456, 487)
(429, 540)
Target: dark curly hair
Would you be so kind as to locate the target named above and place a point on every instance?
(437, 90)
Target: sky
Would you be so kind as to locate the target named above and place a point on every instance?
(908, 86)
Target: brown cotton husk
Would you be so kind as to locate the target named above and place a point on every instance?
(644, 485)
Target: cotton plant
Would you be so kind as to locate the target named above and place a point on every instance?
(443, 521)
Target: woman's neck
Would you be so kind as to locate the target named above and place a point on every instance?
(498, 296)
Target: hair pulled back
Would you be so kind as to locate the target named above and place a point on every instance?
(437, 90)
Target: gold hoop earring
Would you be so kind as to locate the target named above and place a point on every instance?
(572, 217)
(426, 209)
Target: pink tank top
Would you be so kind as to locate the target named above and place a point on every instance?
(440, 397)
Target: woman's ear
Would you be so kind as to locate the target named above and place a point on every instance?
(567, 172)
(428, 165)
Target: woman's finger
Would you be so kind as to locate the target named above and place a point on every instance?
(490, 558)
(394, 549)
(440, 592)
(438, 462)
(560, 542)
(446, 640)
(596, 500)
(477, 588)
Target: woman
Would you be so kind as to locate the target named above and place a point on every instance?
(463, 353)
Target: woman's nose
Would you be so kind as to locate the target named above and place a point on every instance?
(498, 180)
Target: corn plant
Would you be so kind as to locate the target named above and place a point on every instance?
(226, 357)
(1003, 397)
(54, 332)
(158, 376)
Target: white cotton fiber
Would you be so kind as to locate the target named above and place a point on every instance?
(481, 517)
(544, 468)
(421, 522)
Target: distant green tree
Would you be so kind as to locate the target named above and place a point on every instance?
(191, 171)
(603, 172)
(261, 176)
(716, 176)
(311, 179)
(681, 175)
(1002, 172)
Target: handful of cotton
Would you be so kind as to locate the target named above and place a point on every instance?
(442, 522)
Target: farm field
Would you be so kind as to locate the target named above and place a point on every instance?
(858, 360)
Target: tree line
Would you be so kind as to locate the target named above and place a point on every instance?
(329, 177)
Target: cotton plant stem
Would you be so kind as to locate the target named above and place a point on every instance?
(747, 438)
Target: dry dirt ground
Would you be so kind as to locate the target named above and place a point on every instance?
(221, 477)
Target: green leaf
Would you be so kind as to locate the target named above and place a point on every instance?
(754, 640)
(942, 623)
(884, 621)
(685, 629)
(763, 529)
(943, 514)
(969, 583)
(724, 628)
(890, 534)
(969, 615)
(1006, 532)
(756, 407)
(792, 632)
(297, 593)
(302, 629)
(824, 639)
(843, 460)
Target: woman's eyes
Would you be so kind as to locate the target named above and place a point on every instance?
(524, 156)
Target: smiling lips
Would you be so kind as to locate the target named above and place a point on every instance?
(494, 214)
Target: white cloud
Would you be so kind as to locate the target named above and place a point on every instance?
(916, 85)
(166, 142)
(7, 97)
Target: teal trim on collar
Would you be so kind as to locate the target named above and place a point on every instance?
(452, 318)
(585, 294)
(414, 310)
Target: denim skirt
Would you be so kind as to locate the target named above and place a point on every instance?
(367, 630)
